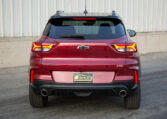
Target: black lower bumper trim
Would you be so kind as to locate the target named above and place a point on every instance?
(53, 87)
(84, 87)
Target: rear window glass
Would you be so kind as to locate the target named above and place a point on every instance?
(84, 29)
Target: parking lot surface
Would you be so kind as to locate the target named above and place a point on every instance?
(14, 103)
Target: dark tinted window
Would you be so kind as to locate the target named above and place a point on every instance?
(84, 29)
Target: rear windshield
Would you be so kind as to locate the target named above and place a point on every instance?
(77, 28)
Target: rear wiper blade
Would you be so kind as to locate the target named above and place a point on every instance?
(74, 36)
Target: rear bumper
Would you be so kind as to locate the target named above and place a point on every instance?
(83, 87)
(58, 88)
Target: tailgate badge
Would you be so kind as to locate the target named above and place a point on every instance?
(83, 47)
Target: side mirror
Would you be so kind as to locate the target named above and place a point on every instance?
(131, 33)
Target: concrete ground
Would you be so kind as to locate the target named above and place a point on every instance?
(14, 103)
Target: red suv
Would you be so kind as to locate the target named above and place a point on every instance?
(84, 54)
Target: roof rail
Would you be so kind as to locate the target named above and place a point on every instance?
(58, 12)
(113, 13)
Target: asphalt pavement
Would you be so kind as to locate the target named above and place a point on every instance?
(14, 103)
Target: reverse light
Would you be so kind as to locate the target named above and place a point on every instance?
(124, 47)
(41, 47)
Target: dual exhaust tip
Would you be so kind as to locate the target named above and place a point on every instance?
(122, 93)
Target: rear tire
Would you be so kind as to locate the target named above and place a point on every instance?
(37, 100)
(133, 101)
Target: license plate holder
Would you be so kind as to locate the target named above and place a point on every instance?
(82, 77)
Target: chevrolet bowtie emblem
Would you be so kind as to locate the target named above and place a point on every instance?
(83, 47)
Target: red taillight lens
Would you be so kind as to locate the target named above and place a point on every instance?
(125, 47)
(136, 77)
(120, 47)
(42, 47)
(36, 47)
(31, 76)
(131, 47)
(84, 18)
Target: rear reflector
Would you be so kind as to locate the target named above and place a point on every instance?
(84, 18)
(136, 77)
(31, 76)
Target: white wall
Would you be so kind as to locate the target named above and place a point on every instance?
(28, 17)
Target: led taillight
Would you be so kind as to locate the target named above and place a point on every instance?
(41, 47)
(136, 77)
(46, 47)
(36, 47)
(125, 47)
(31, 76)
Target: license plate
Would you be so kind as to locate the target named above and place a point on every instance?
(82, 77)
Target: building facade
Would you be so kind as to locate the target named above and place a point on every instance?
(28, 17)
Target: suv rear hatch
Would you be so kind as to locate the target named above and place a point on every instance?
(84, 44)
